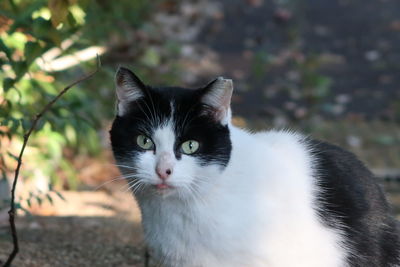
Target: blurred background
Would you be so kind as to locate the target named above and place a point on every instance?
(328, 68)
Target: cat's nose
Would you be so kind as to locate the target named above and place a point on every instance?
(164, 165)
(163, 172)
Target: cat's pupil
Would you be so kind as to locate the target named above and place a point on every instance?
(190, 145)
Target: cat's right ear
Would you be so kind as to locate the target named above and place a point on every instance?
(129, 88)
(217, 97)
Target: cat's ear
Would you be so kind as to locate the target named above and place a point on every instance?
(129, 88)
(217, 96)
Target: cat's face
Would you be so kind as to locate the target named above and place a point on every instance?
(171, 140)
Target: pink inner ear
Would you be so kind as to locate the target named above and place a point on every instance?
(218, 114)
(218, 98)
(119, 80)
(226, 100)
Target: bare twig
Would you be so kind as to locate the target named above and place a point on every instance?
(46, 108)
(146, 258)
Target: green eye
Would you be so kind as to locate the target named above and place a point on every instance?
(189, 147)
(144, 142)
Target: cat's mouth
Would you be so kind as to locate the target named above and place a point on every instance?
(163, 187)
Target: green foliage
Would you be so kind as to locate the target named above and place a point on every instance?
(316, 86)
(36, 197)
(33, 33)
(31, 29)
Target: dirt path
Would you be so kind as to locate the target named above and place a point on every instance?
(89, 229)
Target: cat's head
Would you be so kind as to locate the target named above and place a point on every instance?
(171, 140)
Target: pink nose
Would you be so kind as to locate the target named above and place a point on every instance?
(163, 172)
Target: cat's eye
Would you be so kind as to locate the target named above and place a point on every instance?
(144, 142)
(189, 147)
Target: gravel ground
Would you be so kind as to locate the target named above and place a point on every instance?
(89, 229)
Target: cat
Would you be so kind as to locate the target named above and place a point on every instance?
(212, 194)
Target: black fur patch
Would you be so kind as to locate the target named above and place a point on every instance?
(351, 200)
(191, 122)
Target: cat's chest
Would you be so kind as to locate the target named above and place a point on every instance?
(193, 237)
(259, 229)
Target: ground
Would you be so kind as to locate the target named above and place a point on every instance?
(89, 228)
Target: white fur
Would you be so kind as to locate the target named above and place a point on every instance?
(258, 211)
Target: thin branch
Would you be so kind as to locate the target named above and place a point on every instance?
(146, 258)
(46, 108)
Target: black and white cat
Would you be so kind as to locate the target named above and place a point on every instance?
(214, 195)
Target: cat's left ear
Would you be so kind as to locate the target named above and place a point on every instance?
(129, 88)
(217, 96)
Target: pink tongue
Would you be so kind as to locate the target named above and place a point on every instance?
(162, 186)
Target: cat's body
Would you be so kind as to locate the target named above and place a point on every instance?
(273, 199)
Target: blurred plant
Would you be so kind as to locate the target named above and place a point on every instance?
(31, 30)
(34, 36)
(262, 62)
(37, 197)
(297, 75)
(315, 86)
(13, 204)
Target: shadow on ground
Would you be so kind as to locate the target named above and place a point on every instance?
(75, 241)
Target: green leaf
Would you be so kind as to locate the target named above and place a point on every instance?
(17, 205)
(60, 195)
(8, 83)
(32, 51)
(25, 124)
(20, 68)
(50, 199)
(39, 200)
(28, 201)
(151, 57)
(71, 20)
(5, 49)
(44, 30)
(41, 27)
(12, 156)
(25, 210)
(59, 11)
(14, 125)
(55, 37)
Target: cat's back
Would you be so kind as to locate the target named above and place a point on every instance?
(349, 198)
(279, 169)
(329, 197)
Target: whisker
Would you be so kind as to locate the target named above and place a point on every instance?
(141, 109)
(139, 187)
(126, 166)
(195, 188)
(107, 182)
(153, 114)
(120, 177)
(130, 185)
